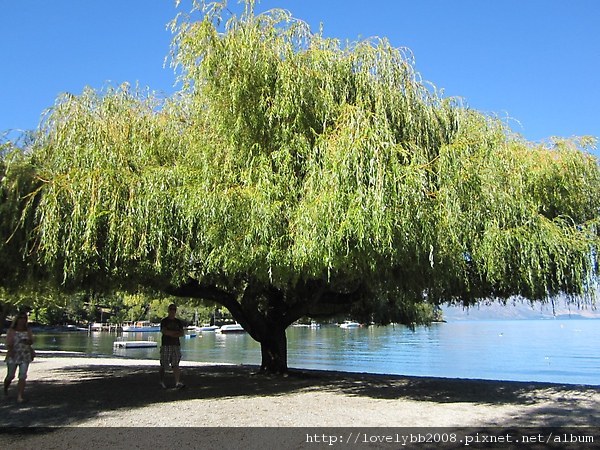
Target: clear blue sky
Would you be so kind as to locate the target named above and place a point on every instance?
(536, 61)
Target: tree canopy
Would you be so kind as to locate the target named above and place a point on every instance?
(292, 176)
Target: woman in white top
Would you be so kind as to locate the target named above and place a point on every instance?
(19, 339)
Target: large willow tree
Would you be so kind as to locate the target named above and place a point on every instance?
(295, 176)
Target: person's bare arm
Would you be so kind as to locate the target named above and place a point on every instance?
(30, 336)
(10, 341)
(172, 333)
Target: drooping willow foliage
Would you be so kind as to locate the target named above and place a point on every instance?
(288, 157)
(17, 218)
(109, 163)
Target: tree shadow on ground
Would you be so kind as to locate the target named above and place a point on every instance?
(72, 395)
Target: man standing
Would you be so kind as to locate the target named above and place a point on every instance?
(170, 349)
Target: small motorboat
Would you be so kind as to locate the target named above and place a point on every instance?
(143, 326)
(350, 324)
(207, 327)
(232, 328)
(307, 325)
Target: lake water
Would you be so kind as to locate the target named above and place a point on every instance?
(558, 351)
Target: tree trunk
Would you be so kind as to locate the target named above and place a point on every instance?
(267, 325)
(274, 351)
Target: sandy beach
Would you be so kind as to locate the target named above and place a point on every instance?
(70, 390)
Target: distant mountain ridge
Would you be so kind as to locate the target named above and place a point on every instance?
(521, 310)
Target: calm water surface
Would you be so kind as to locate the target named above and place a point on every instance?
(559, 351)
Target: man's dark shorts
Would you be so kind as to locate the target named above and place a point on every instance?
(170, 355)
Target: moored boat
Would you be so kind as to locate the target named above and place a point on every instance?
(313, 324)
(349, 324)
(141, 327)
(207, 327)
(232, 328)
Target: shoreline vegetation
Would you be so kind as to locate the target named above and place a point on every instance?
(75, 390)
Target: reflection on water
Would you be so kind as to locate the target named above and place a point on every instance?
(542, 350)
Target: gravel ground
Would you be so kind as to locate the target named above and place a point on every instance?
(68, 392)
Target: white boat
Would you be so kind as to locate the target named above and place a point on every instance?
(73, 328)
(207, 327)
(140, 327)
(233, 328)
(349, 324)
(134, 344)
(307, 325)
